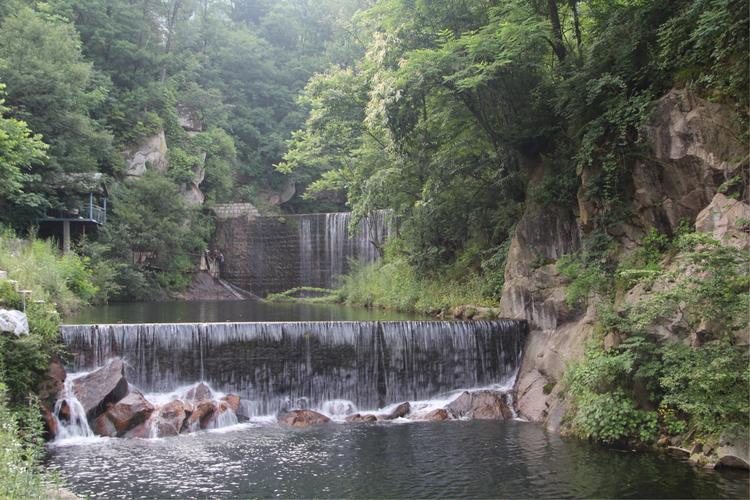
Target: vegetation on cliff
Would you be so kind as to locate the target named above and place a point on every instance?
(453, 108)
(665, 360)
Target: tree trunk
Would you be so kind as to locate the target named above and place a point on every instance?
(558, 45)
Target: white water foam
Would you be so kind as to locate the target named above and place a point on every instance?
(76, 426)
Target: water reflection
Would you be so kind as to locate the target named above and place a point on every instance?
(451, 459)
(231, 310)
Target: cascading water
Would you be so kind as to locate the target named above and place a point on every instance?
(73, 423)
(272, 254)
(306, 364)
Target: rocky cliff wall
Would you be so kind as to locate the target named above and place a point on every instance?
(696, 147)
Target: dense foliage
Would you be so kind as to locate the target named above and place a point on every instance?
(53, 279)
(634, 389)
(454, 104)
(87, 81)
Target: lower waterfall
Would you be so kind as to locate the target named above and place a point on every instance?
(306, 364)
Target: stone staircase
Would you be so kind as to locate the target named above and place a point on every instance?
(26, 295)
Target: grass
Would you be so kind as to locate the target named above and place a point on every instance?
(394, 284)
(63, 280)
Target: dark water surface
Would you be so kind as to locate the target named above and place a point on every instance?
(205, 311)
(415, 460)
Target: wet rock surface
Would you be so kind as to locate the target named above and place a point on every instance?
(100, 387)
(171, 419)
(302, 418)
(129, 412)
(400, 411)
(358, 417)
(481, 405)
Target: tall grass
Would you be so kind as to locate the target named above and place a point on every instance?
(20, 474)
(394, 284)
(38, 265)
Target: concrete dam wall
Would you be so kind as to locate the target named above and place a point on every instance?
(273, 254)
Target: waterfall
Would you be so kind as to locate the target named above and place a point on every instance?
(69, 413)
(305, 364)
(273, 254)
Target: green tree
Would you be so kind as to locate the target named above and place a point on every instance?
(20, 150)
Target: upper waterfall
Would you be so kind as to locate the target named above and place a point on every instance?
(305, 364)
(272, 254)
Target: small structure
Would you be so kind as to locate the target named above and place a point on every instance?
(84, 208)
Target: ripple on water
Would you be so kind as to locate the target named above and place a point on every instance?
(449, 459)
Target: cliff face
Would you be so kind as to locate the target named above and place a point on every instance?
(696, 147)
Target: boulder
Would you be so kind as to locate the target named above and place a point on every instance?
(232, 401)
(52, 384)
(129, 412)
(50, 423)
(201, 416)
(302, 418)
(170, 419)
(142, 431)
(15, 322)
(481, 405)
(734, 450)
(104, 427)
(200, 392)
(437, 415)
(100, 387)
(400, 411)
(358, 417)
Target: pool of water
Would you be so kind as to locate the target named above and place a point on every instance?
(410, 460)
(206, 311)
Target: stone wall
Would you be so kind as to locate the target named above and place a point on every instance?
(272, 254)
(233, 210)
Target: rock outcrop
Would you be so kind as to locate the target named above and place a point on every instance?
(727, 220)
(150, 154)
(695, 151)
(171, 419)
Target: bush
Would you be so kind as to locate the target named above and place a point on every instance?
(65, 280)
(621, 392)
(394, 284)
(20, 475)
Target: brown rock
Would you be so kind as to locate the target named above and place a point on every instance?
(232, 401)
(302, 418)
(401, 411)
(50, 387)
(358, 417)
(437, 415)
(104, 426)
(200, 392)
(201, 416)
(481, 405)
(170, 419)
(100, 387)
(50, 423)
(129, 412)
(142, 431)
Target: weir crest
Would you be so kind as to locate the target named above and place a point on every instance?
(282, 365)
